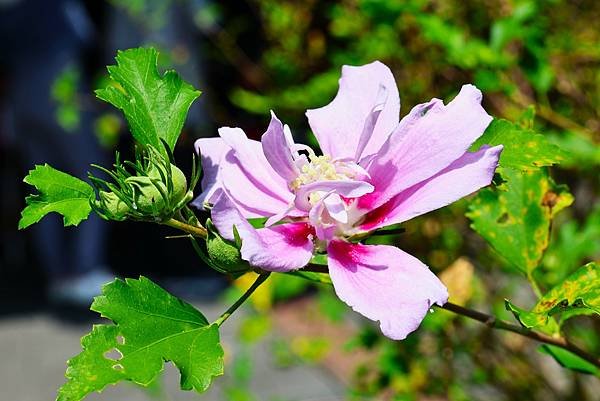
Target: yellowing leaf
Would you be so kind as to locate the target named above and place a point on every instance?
(515, 218)
(524, 149)
(577, 294)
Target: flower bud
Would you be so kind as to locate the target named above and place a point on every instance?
(225, 256)
(151, 192)
(114, 207)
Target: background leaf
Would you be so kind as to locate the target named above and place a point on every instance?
(155, 106)
(151, 327)
(524, 149)
(515, 218)
(59, 192)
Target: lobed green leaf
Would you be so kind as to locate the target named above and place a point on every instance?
(59, 193)
(150, 327)
(155, 106)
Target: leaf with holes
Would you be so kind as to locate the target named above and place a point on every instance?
(577, 294)
(150, 327)
(155, 106)
(515, 217)
(59, 193)
(524, 149)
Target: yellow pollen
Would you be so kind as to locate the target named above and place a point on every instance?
(320, 168)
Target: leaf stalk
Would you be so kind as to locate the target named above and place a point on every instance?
(257, 283)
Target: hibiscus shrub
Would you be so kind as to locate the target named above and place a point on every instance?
(281, 208)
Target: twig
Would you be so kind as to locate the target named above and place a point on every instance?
(493, 322)
(259, 280)
(193, 230)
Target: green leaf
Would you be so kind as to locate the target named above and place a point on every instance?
(577, 294)
(515, 218)
(524, 149)
(60, 193)
(155, 106)
(151, 327)
(569, 360)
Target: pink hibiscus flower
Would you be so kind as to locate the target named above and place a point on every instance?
(375, 171)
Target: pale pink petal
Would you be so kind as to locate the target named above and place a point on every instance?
(339, 125)
(252, 196)
(211, 151)
(336, 208)
(250, 155)
(371, 122)
(277, 150)
(466, 175)
(249, 178)
(281, 248)
(384, 284)
(345, 188)
(319, 218)
(425, 144)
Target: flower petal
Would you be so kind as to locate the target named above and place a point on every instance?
(211, 151)
(423, 145)
(336, 208)
(345, 188)
(280, 248)
(339, 125)
(251, 157)
(466, 175)
(277, 150)
(253, 198)
(249, 179)
(384, 284)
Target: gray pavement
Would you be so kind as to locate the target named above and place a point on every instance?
(34, 349)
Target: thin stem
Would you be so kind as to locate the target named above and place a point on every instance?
(493, 322)
(534, 285)
(259, 280)
(193, 230)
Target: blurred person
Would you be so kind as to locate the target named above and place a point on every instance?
(40, 39)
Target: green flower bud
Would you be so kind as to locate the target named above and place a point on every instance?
(149, 190)
(225, 256)
(116, 208)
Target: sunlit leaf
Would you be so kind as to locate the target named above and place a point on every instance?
(58, 192)
(524, 149)
(515, 218)
(155, 106)
(150, 327)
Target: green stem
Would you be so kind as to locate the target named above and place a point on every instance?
(495, 323)
(534, 285)
(259, 280)
(193, 230)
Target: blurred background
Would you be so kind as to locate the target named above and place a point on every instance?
(533, 59)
